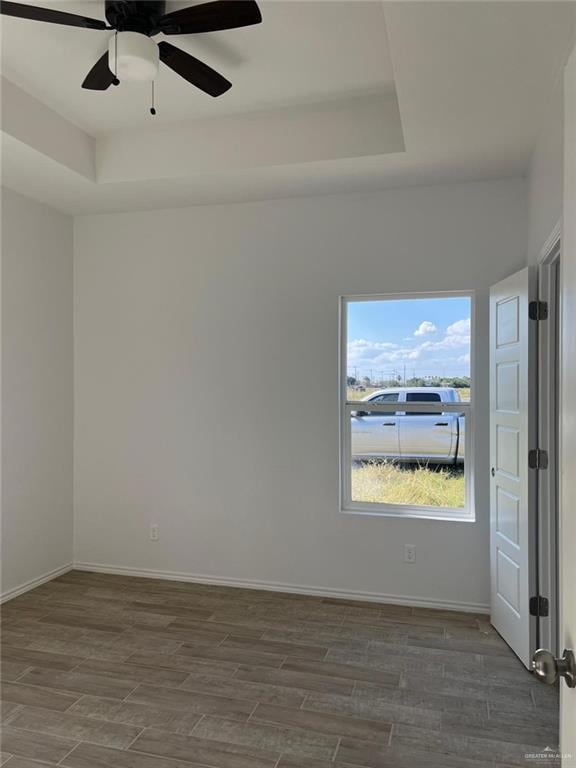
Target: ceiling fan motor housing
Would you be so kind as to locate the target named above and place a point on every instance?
(135, 15)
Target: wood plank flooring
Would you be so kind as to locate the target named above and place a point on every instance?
(104, 671)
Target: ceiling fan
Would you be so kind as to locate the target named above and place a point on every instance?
(132, 54)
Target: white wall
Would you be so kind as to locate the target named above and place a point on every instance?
(206, 368)
(37, 391)
(546, 178)
(546, 171)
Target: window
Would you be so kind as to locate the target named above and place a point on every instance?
(423, 397)
(387, 397)
(407, 359)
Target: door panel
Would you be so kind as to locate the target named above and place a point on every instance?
(512, 432)
(508, 452)
(375, 435)
(507, 387)
(426, 436)
(508, 516)
(508, 578)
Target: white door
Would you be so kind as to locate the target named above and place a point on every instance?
(512, 482)
(568, 415)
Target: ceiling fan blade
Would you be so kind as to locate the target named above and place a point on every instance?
(100, 76)
(35, 13)
(193, 70)
(211, 17)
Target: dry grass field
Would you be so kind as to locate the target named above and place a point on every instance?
(389, 483)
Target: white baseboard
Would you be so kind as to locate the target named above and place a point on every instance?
(33, 583)
(298, 589)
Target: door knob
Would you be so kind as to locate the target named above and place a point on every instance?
(548, 669)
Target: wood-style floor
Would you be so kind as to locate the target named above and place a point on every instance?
(112, 672)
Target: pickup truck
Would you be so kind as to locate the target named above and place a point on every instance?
(435, 437)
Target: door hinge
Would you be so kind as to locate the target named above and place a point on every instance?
(538, 459)
(539, 606)
(538, 310)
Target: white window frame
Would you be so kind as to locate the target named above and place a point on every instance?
(347, 505)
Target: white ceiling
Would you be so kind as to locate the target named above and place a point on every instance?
(396, 93)
(304, 51)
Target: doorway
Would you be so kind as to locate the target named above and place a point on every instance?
(524, 453)
(525, 458)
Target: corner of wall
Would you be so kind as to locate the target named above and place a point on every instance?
(37, 393)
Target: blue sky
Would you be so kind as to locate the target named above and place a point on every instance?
(431, 337)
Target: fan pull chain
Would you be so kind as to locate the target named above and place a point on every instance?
(153, 108)
(116, 81)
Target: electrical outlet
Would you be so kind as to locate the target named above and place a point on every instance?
(154, 532)
(409, 553)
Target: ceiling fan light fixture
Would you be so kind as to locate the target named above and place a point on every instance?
(133, 56)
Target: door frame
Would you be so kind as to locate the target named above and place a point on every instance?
(548, 418)
(567, 511)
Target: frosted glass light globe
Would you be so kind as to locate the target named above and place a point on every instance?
(133, 56)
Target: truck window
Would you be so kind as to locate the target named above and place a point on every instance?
(387, 397)
(423, 397)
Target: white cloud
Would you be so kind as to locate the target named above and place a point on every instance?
(459, 328)
(367, 350)
(448, 354)
(424, 328)
(457, 335)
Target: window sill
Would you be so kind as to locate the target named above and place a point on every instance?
(411, 513)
